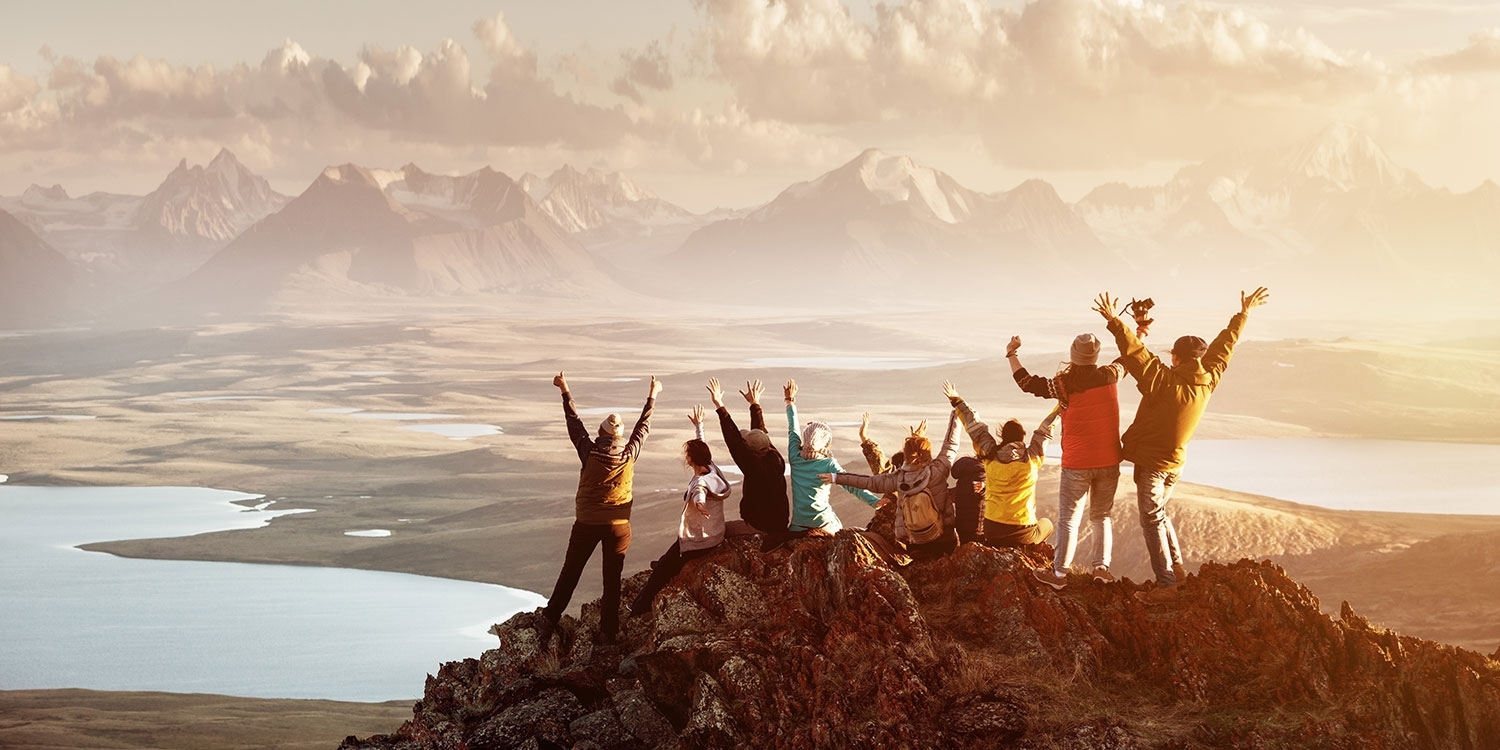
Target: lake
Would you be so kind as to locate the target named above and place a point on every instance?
(1354, 474)
(81, 619)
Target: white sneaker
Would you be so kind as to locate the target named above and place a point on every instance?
(1056, 580)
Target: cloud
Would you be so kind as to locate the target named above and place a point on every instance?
(1055, 82)
(1482, 55)
(16, 90)
(431, 97)
(649, 68)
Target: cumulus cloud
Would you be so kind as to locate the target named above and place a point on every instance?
(1053, 83)
(422, 97)
(1482, 55)
(648, 68)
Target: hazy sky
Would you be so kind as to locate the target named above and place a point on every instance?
(724, 102)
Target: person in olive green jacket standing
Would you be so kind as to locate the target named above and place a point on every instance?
(602, 507)
(1172, 402)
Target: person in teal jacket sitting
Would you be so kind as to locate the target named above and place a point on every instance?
(810, 453)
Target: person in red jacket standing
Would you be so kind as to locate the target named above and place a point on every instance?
(1090, 405)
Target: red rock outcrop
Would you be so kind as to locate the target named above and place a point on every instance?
(819, 644)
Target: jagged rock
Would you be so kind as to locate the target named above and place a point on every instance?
(710, 725)
(641, 719)
(545, 718)
(602, 730)
(819, 644)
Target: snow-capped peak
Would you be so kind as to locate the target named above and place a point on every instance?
(1348, 159)
(215, 202)
(896, 179)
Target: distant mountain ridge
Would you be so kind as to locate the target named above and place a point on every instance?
(596, 202)
(1335, 208)
(35, 279)
(884, 221)
(214, 202)
(133, 241)
(404, 232)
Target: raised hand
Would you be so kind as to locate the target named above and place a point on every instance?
(655, 387)
(789, 391)
(1013, 346)
(559, 381)
(715, 393)
(864, 428)
(920, 430)
(950, 391)
(696, 415)
(1259, 297)
(1106, 306)
(752, 391)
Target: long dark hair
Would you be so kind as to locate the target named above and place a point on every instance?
(696, 452)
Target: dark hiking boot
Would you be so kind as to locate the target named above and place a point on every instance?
(1102, 575)
(1157, 595)
(544, 631)
(1050, 577)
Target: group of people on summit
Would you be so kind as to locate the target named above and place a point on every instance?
(992, 502)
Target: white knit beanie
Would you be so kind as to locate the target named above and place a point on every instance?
(1085, 350)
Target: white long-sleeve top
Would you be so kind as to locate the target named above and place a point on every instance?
(702, 524)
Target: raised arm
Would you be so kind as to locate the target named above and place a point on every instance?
(738, 450)
(794, 439)
(643, 425)
(578, 435)
(873, 457)
(752, 392)
(1042, 436)
(1036, 385)
(1145, 367)
(949, 451)
(1222, 348)
(696, 417)
(979, 432)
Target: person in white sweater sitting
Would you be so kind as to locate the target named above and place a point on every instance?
(701, 528)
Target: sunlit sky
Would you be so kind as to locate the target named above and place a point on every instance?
(725, 102)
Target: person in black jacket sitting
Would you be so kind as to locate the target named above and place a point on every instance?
(764, 504)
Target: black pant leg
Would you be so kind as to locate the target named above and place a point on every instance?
(581, 541)
(616, 540)
(663, 571)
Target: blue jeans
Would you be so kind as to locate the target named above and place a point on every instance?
(1152, 491)
(1099, 485)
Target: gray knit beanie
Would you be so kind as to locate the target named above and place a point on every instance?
(1085, 350)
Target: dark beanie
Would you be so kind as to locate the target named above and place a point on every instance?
(1012, 432)
(1190, 347)
(967, 469)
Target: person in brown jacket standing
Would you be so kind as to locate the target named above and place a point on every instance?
(602, 508)
(1172, 402)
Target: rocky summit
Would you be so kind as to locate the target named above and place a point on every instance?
(821, 644)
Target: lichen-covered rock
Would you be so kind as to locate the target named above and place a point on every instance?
(819, 644)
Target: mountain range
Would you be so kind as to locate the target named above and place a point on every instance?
(403, 232)
(1330, 219)
(124, 241)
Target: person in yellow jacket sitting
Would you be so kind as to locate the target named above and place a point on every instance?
(1010, 470)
